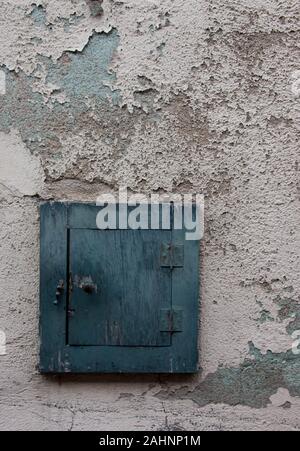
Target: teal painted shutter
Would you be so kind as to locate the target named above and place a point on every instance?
(115, 301)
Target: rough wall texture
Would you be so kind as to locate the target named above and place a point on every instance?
(162, 96)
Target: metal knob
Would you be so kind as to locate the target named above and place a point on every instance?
(59, 291)
(88, 288)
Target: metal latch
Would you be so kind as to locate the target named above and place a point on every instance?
(86, 284)
(171, 320)
(59, 292)
(172, 255)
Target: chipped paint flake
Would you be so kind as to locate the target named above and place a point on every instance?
(20, 172)
(2, 83)
(39, 15)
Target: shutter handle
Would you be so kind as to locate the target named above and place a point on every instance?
(89, 288)
(59, 291)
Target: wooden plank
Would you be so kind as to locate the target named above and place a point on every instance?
(185, 295)
(83, 216)
(53, 268)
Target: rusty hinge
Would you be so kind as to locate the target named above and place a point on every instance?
(172, 255)
(171, 320)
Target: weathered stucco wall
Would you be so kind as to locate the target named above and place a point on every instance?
(161, 96)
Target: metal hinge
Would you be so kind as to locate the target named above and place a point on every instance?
(171, 320)
(172, 255)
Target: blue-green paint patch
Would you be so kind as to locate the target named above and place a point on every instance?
(289, 308)
(265, 316)
(250, 384)
(39, 15)
(82, 76)
(85, 75)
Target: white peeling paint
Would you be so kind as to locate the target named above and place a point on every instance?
(20, 172)
(282, 397)
(2, 343)
(2, 83)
